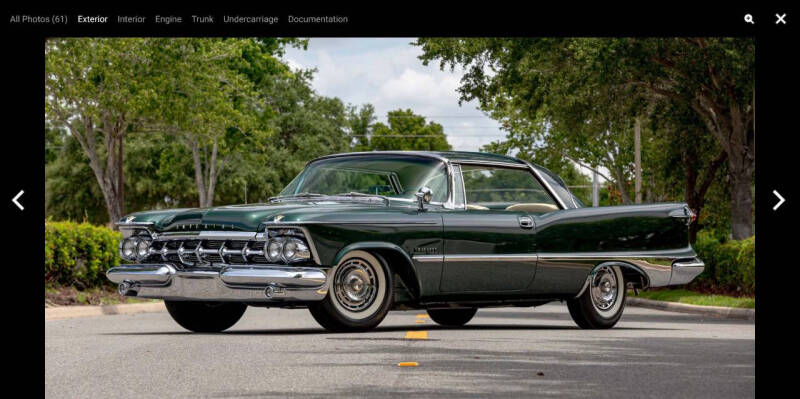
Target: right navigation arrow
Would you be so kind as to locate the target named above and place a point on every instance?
(781, 200)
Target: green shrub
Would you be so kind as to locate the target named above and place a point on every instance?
(730, 264)
(78, 254)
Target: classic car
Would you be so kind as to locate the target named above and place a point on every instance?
(356, 235)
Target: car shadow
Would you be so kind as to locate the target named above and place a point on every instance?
(429, 327)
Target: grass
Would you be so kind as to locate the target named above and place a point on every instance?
(697, 298)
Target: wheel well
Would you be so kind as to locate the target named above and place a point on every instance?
(402, 266)
(634, 276)
(398, 261)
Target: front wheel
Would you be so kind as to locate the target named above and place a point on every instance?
(602, 302)
(452, 317)
(359, 296)
(205, 316)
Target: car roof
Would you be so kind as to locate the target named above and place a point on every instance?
(452, 156)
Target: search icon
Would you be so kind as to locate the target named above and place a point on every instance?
(749, 19)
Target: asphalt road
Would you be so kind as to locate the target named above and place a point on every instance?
(505, 352)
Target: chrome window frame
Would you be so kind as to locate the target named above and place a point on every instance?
(547, 188)
(447, 204)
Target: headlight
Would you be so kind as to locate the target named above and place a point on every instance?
(295, 250)
(142, 248)
(273, 250)
(286, 249)
(127, 250)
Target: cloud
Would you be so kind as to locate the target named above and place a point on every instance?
(387, 73)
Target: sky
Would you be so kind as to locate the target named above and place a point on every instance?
(386, 73)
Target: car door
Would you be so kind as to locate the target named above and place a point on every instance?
(489, 245)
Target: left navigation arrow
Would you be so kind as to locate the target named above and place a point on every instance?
(15, 200)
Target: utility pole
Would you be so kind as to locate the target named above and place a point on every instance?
(637, 149)
(595, 189)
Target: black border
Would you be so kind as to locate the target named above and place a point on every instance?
(776, 88)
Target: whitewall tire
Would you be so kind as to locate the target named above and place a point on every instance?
(602, 301)
(359, 294)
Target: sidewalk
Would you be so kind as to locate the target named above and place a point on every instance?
(716, 311)
(68, 312)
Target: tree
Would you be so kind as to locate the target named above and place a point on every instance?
(97, 90)
(361, 122)
(576, 90)
(208, 105)
(408, 131)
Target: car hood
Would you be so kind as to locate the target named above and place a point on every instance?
(250, 217)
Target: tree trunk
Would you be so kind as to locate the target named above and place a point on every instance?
(623, 191)
(206, 173)
(212, 176)
(107, 178)
(741, 201)
(637, 155)
(198, 173)
(120, 177)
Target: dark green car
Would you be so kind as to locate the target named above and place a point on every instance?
(356, 235)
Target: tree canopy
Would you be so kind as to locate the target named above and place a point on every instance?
(581, 97)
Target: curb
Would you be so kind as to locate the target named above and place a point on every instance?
(716, 311)
(69, 312)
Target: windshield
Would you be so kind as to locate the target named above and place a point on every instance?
(398, 177)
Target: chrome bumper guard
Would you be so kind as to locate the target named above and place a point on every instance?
(267, 283)
(684, 271)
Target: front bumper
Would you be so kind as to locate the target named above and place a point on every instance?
(267, 283)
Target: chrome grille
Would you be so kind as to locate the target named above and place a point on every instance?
(207, 252)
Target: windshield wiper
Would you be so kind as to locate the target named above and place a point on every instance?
(357, 194)
(298, 195)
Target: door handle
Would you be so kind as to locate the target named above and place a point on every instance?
(526, 222)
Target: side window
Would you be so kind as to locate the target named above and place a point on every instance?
(498, 188)
(437, 182)
(458, 195)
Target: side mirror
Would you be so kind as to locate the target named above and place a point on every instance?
(424, 196)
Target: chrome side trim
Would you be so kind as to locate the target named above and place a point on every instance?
(657, 266)
(476, 258)
(492, 258)
(371, 223)
(427, 258)
(672, 253)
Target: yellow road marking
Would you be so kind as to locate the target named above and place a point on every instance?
(408, 364)
(420, 321)
(422, 316)
(417, 335)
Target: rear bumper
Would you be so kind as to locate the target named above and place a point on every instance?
(268, 283)
(684, 271)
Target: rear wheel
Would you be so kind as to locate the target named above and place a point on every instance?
(452, 317)
(205, 316)
(360, 294)
(602, 302)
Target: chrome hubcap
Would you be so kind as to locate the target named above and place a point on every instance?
(604, 288)
(355, 284)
